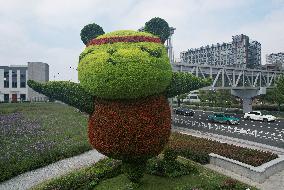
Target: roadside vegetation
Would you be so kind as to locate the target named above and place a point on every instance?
(33, 135)
(198, 149)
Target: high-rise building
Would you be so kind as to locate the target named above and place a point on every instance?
(238, 53)
(13, 81)
(275, 60)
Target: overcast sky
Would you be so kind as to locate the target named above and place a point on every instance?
(49, 30)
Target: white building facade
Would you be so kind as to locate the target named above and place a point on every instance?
(14, 78)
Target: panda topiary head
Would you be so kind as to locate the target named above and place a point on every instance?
(125, 65)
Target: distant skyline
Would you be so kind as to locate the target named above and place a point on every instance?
(49, 30)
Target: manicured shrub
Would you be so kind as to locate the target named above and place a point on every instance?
(90, 32)
(118, 67)
(130, 130)
(86, 178)
(134, 169)
(158, 27)
(68, 92)
(169, 168)
(198, 149)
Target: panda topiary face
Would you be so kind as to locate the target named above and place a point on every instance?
(125, 65)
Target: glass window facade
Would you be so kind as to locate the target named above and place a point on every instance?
(6, 97)
(23, 78)
(14, 78)
(6, 78)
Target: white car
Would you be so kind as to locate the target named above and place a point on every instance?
(257, 115)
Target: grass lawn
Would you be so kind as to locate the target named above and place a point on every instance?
(101, 177)
(33, 135)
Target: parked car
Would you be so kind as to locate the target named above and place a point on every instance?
(184, 111)
(257, 115)
(223, 118)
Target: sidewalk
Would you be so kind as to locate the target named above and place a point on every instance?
(274, 182)
(32, 178)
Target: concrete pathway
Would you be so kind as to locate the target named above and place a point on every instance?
(32, 178)
(274, 182)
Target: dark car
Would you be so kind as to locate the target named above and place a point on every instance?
(184, 111)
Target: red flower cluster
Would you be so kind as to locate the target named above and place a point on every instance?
(130, 130)
(111, 40)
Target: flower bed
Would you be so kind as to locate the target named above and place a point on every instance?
(198, 149)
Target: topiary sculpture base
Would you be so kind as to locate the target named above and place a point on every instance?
(130, 130)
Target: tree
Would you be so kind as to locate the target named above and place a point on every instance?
(278, 93)
(90, 32)
(158, 27)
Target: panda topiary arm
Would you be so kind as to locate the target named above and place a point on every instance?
(68, 92)
(184, 83)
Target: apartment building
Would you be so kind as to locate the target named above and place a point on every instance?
(239, 53)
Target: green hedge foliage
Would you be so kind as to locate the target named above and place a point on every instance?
(87, 178)
(184, 83)
(125, 33)
(90, 32)
(68, 92)
(125, 70)
(158, 27)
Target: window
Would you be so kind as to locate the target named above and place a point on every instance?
(14, 79)
(6, 97)
(23, 85)
(6, 84)
(14, 74)
(23, 97)
(6, 78)
(6, 74)
(14, 84)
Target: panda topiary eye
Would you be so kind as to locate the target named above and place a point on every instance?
(153, 52)
(111, 51)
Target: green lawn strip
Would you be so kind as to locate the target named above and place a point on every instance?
(198, 149)
(60, 132)
(106, 175)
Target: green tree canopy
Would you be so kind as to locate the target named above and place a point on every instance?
(158, 27)
(90, 32)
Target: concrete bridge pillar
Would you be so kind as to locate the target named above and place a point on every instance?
(247, 96)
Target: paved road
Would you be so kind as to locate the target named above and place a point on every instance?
(271, 133)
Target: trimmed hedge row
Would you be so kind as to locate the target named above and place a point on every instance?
(68, 92)
(198, 149)
(184, 83)
(86, 178)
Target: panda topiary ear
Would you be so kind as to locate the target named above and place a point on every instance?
(90, 32)
(158, 27)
